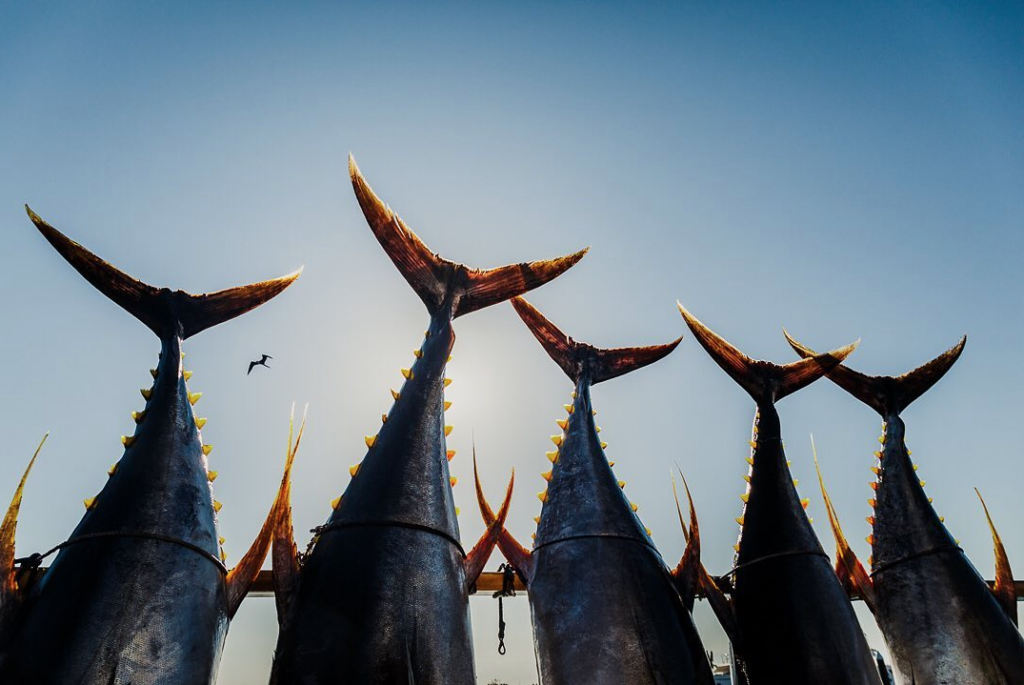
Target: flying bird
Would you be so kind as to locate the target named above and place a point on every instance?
(262, 362)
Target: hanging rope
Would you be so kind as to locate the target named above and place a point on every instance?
(508, 589)
(34, 560)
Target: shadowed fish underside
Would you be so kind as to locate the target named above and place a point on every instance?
(941, 622)
(606, 609)
(793, 621)
(383, 596)
(139, 593)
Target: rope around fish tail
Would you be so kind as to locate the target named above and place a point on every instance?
(508, 589)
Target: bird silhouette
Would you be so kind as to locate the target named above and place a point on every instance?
(262, 362)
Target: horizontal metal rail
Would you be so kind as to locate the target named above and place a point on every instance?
(490, 582)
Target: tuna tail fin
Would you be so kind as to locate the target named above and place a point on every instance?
(516, 554)
(888, 394)
(481, 552)
(164, 312)
(1004, 589)
(852, 574)
(242, 576)
(10, 592)
(764, 380)
(575, 358)
(437, 280)
(691, 565)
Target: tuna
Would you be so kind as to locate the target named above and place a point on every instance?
(940, 620)
(139, 593)
(382, 597)
(792, 620)
(606, 608)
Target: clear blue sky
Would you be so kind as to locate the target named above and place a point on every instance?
(847, 173)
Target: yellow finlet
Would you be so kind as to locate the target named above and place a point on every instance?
(335, 502)
(146, 393)
(207, 449)
(736, 548)
(921, 482)
(634, 506)
(447, 382)
(152, 372)
(450, 454)
(870, 539)
(878, 455)
(746, 477)
(753, 444)
(457, 511)
(909, 452)
(200, 423)
(193, 397)
(648, 531)
(593, 412)
(568, 408)
(395, 394)
(930, 500)
(750, 460)
(212, 475)
(872, 503)
(574, 394)
(739, 520)
(138, 416)
(744, 497)
(942, 519)
(370, 440)
(546, 476)
(875, 470)
(881, 439)
(217, 505)
(557, 439)
(542, 495)
(611, 464)
(597, 428)
(874, 484)
(453, 480)
(417, 353)
(223, 555)
(622, 484)
(187, 375)
(447, 405)
(408, 374)
(604, 445)
(353, 470)
(870, 520)
(915, 466)
(805, 502)
(113, 469)
(796, 482)
(127, 441)
(552, 456)
(562, 423)
(220, 540)
(447, 430)
(536, 519)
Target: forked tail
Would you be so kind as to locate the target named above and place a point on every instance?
(437, 280)
(888, 394)
(763, 380)
(577, 358)
(165, 312)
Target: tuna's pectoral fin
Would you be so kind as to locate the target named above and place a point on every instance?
(763, 380)
(10, 593)
(163, 311)
(888, 394)
(575, 357)
(516, 554)
(242, 576)
(436, 279)
(852, 575)
(686, 575)
(284, 555)
(481, 552)
(1005, 589)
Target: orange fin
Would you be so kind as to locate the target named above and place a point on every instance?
(686, 574)
(10, 595)
(433, 277)
(242, 576)
(575, 357)
(515, 553)
(1005, 589)
(852, 574)
(764, 381)
(888, 394)
(164, 312)
(481, 552)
